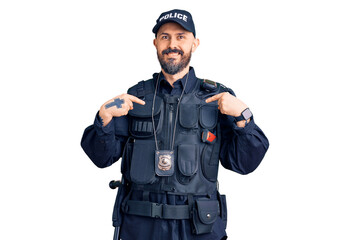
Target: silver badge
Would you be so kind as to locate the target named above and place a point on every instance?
(165, 162)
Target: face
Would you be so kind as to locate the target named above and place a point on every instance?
(175, 46)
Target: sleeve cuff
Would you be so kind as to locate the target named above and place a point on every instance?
(100, 129)
(244, 130)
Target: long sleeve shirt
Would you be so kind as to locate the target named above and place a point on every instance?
(242, 150)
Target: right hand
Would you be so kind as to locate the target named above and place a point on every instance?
(118, 106)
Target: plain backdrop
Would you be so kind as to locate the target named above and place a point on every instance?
(295, 63)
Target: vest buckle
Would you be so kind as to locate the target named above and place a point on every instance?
(156, 210)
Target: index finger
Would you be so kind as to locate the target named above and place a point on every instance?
(214, 98)
(136, 100)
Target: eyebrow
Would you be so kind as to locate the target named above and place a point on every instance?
(181, 33)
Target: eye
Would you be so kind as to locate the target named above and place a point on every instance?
(180, 37)
(164, 37)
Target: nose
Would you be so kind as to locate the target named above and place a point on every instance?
(173, 43)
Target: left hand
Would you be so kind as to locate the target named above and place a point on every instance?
(228, 104)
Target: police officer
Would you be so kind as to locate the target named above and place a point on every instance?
(171, 132)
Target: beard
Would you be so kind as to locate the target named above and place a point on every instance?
(170, 67)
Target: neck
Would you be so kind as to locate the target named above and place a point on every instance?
(172, 78)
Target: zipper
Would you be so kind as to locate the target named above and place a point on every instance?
(170, 125)
(167, 143)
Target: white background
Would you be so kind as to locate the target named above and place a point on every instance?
(295, 63)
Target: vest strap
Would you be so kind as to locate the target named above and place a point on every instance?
(157, 188)
(141, 89)
(146, 195)
(144, 87)
(157, 210)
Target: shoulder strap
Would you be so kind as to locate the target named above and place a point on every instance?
(144, 87)
(140, 89)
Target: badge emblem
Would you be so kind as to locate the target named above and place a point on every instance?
(165, 162)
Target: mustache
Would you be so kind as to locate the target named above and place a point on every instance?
(169, 50)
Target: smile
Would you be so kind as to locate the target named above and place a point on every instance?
(175, 52)
(172, 54)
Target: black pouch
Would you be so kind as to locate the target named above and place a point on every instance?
(208, 116)
(188, 115)
(210, 158)
(141, 125)
(205, 213)
(188, 157)
(142, 169)
(117, 214)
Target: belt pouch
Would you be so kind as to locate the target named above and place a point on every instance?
(205, 213)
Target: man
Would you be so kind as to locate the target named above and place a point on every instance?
(171, 131)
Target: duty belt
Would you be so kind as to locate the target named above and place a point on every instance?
(157, 210)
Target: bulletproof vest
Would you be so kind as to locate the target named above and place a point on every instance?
(194, 167)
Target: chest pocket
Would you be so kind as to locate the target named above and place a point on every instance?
(188, 115)
(141, 125)
(192, 114)
(208, 116)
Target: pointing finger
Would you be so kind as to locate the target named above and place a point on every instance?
(214, 98)
(136, 100)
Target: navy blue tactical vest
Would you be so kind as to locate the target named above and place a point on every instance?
(196, 162)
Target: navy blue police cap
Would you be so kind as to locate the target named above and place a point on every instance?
(181, 17)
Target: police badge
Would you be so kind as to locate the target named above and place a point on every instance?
(164, 160)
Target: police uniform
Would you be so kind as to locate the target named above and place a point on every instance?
(181, 201)
(170, 149)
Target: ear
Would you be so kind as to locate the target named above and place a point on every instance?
(195, 44)
(155, 42)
